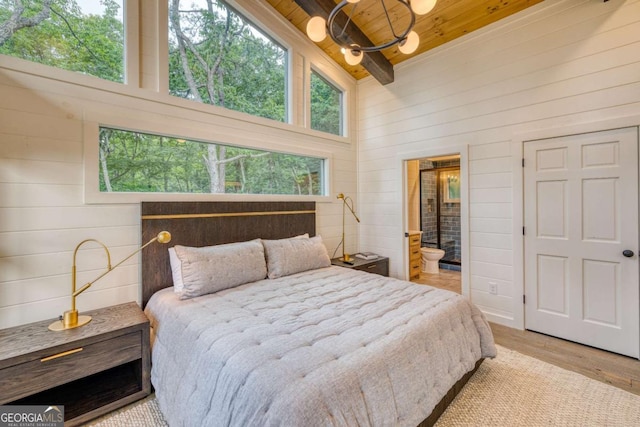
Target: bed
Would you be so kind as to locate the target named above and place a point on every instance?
(278, 346)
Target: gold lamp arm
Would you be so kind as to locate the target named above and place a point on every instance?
(74, 293)
(162, 238)
(345, 199)
(351, 207)
(70, 318)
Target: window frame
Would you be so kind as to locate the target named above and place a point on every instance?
(131, 18)
(196, 131)
(145, 79)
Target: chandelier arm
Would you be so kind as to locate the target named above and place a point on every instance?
(374, 62)
(346, 24)
(330, 23)
(386, 13)
(398, 38)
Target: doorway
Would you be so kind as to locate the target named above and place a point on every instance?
(581, 239)
(436, 217)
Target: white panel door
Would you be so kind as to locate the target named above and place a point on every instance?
(581, 222)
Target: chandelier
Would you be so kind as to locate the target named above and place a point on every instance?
(407, 39)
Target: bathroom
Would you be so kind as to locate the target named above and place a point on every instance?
(434, 210)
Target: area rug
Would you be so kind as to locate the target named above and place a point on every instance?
(511, 390)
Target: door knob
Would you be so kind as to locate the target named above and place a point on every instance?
(628, 253)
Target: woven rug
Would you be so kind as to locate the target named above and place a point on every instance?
(511, 390)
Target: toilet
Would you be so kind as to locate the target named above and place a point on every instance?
(430, 258)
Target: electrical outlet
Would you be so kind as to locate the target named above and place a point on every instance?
(493, 288)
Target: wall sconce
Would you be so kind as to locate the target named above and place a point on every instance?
(70, 318)
(345, 256)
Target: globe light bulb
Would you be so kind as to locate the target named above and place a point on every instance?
(317, 29)
(410, 43)
(353, 56)
(353, 1)
(422, 7)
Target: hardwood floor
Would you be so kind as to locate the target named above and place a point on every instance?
(447, 279)
(613, 369)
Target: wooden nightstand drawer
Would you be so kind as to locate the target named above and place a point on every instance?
(378, 267)
(414, 239)
(414, 254)
(68, 365)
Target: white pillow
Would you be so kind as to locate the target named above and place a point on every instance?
(294, 255)
(176, 266)
(214, 268)
(176, 271)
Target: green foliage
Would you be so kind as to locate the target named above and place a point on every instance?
(326, 106)
(139, 162)
(231, 63)
(216, 57)
(68, 38)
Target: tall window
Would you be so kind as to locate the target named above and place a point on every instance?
(143, 162)
(86, 36)
(326, 105)
(218, 57)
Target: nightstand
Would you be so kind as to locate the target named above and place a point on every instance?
(90, 370)
(379, 265)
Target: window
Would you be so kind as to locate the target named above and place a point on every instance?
(326, 105)
(218, 57)
(143, 162)
(86, 36)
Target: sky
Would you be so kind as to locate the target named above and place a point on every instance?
(95, 7)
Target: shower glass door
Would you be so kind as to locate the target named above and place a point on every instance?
(440, 210)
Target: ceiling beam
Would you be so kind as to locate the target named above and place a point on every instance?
(374, 62)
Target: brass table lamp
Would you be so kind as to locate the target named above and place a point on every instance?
(70, 318)
(345, 256)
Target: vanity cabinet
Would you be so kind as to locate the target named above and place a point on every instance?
(414, 256)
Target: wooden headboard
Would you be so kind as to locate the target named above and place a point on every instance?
(213, 223)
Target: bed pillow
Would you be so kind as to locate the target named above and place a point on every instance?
(176, 266)
(214, 268)
(176, 270)
(290, 256)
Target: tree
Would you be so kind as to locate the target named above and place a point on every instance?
(59, 34)
(216, 57)
(142, 162)
(19, 19)
(326, 106)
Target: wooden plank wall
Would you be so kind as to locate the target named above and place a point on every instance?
(553, 66)
(44, 116)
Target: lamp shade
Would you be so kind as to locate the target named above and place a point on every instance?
(410, 44)
(317, 28)
(353, 56)
(422, 7)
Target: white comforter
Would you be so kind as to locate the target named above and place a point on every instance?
(328, 347)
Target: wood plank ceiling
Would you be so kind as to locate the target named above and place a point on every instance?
(449, 20)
